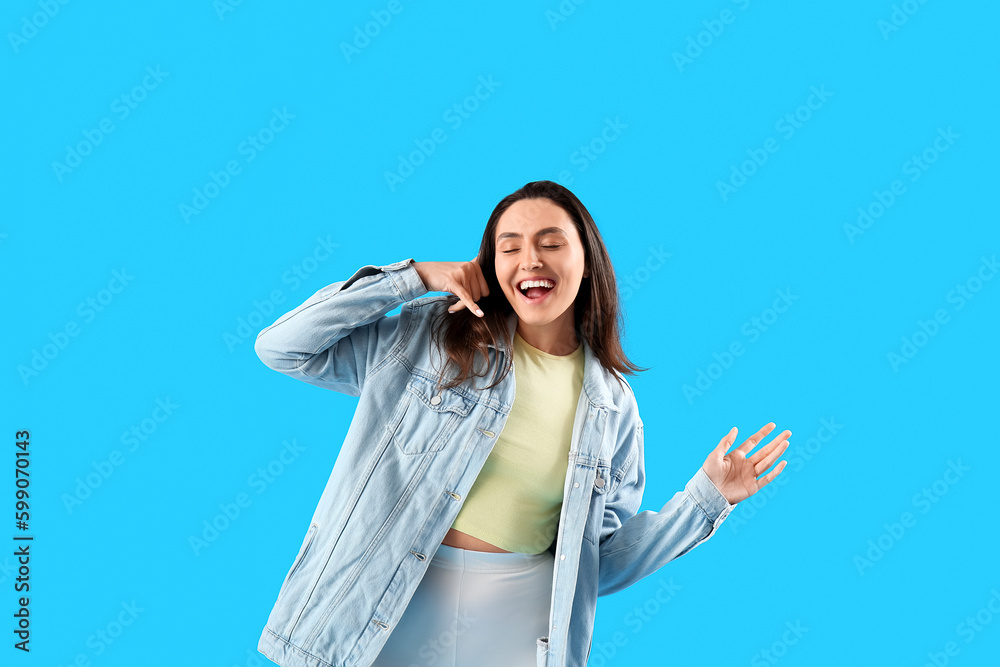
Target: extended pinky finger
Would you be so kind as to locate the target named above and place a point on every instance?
(766, 479)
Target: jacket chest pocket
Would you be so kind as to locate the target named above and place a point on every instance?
(427, 417)
(603, 484)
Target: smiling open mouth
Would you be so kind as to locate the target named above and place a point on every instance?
(534, 290)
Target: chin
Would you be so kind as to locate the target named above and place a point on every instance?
(536, 317)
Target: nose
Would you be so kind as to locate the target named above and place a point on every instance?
(531, 259)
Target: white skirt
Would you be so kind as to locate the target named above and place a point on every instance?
(474, 609)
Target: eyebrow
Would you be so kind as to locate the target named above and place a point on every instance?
(540, 232)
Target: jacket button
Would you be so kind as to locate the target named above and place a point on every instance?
(562, 557)
(599, 482)
(576, 484)
(435, 399)
(454, 495)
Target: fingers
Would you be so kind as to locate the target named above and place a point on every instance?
(752, 441)
(770, 454)
(471, 289)
(464, 300)
(761, 453)
(724, 444)
(764, 481)
(484, 289)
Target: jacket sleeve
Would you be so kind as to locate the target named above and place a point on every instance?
(633, 546)
(341, 333)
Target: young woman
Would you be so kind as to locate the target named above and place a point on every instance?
(474, 523)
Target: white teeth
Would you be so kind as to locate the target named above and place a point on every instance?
(535, 283)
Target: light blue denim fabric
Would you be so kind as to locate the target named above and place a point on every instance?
(411, 455)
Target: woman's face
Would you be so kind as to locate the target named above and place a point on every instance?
(536, 239)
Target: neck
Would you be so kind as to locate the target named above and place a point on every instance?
(556, 337)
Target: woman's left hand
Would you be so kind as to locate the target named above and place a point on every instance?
(735, 474)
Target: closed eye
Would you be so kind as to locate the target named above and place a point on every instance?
(507, 252)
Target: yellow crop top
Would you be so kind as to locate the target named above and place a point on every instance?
(516, 499)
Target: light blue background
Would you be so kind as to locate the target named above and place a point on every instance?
(177, 330)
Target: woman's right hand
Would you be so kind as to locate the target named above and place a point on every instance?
(463, 279)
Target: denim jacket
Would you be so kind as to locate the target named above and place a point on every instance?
(411, 454)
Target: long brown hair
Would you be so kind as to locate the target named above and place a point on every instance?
(596, 310)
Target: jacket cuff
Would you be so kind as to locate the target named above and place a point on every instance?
(708, 497)
(403, 275)
(406, 279)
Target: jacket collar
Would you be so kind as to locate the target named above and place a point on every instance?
(596, 378)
